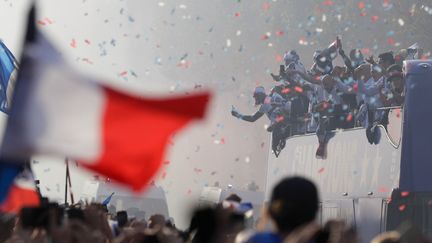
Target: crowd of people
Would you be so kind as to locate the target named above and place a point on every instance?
(329, 97)
(285, 218)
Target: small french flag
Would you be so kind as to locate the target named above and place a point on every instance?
(21, 191)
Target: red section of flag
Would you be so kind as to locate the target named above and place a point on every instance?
(18, 198)
(136, 132)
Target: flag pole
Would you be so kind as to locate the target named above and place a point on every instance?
(70, 185)
(66, 180)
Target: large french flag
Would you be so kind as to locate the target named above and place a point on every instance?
(120, 134)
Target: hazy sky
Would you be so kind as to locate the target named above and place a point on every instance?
(227, 46)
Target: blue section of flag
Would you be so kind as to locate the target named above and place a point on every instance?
(8, 64)
(108, 199)
(8, 172)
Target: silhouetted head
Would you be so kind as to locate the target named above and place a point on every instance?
(294, 202)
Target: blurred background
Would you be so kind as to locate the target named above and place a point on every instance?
(226, 46)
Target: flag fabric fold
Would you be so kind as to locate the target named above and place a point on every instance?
(8, 74)
(118, 134)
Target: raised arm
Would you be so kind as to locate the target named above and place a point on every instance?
(249, 118)
(346, 60)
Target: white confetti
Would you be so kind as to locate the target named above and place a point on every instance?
(324, 18)
(161, 4)
(401, 22)
(247, 159)
(228, 42)
(238, 33)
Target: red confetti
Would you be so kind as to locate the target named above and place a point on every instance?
(365, 51)
(383, 189)
(279, 118)
(298, 89)
(164, 175)
(264, 37)
(73, 43)
(266, 6)
(349, 117)
(374, 18)
(222, 141)
(87, 42)
(279, 58)
(405, 193)
(124, 73)
(390, 41)
(402, 207)
(398, 113)
(279, 33)
(321, 170)
(328, 3)
(237, 14)
(286, 91)
(41, 22)
(362, 14)
(355, 87)
(48, 20)
(167, 162)
(361, 5)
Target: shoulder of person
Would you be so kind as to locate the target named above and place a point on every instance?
(266, 237)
